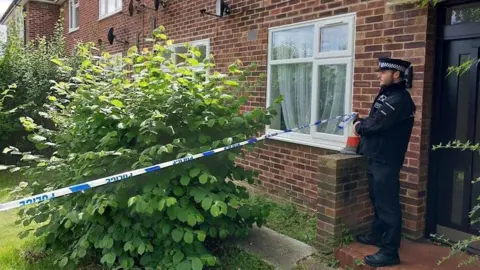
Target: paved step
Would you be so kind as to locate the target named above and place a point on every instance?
(277, 249)
(413, 256)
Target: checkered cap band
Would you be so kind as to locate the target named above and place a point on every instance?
(392, 66)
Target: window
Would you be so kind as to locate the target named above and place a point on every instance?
(74, 6)
(310, 65)
(117, 58)
(469, 13)
(109, 7)
(202, 45)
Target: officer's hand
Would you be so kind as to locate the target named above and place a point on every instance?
(355, 127)
(358, 119)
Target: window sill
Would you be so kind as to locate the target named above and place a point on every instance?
(109, 15)
(318, 143)
(73, 30)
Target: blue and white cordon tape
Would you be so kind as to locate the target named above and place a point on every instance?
(122, 176)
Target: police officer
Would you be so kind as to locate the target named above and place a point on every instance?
(384, 137)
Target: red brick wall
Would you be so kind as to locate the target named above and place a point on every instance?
(41, 19)
(288, 170)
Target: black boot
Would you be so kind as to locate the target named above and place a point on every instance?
(381, 259)
(368, 239)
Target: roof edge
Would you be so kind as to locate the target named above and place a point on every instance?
(9, 11)
(16, 3)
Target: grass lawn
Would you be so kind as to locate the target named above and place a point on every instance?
(286, 219)
(15, 252)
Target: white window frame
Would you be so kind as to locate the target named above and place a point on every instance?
(108, 13)
(72, 15)
(196, 43)
(116, 57)
(314, 138)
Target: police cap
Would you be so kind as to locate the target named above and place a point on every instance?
(393, 64)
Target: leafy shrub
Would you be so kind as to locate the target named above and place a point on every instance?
(29, 68)
(143, 111)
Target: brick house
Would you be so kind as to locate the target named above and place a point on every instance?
(326, 51)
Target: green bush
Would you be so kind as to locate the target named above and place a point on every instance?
(29, 68)
(143, 111)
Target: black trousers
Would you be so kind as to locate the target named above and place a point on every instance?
(384, 189)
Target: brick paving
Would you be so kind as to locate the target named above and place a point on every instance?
(413, 256)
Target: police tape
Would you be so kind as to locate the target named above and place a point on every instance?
(126, 175)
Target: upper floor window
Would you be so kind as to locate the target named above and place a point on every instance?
(109, 7)
(310, 65)
(74, 6)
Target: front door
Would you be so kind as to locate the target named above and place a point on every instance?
(459, 111)
(457, 117)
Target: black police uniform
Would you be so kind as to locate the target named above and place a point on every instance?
(384, 137)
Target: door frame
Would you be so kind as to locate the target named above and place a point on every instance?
(444, 34)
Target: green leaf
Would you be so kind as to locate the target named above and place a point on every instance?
(194, 172)
(211, 123)
(141, 206)
(117, 103)
(193, 62)
(128, 246)
(192, 220)
(171, 201)
(201, 235)
(244, 212)
(182, 215)
(57, 61)
(141, 248)
(197, 264)
(185, 180)
(185, 265)
(215, 211)
(178, 191)
(162, 149)
(52, 98)
(177, 234)
(132, 200)
(126, 262)
(227, 141)
(166, 228)
(41, 218)
(231, 83)
(67, 224)
(178, 257)
(107, 242)
(36, 138)
(232, 156)
(161, 204)
(188, 237)
(82, 252)
(206, 203)
(202, 138)
(223, 233)
(198, 194)
(63, 262)
(108, 258)
(203, 178)
(211, 260)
